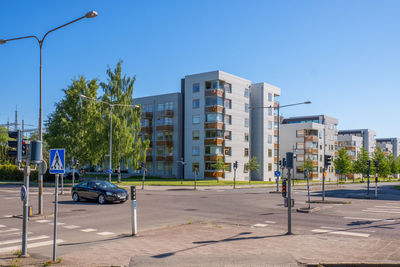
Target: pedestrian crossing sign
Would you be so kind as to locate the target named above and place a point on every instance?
(57, 161)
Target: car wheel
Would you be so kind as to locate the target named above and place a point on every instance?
(101, 199)
(75, 197)
(122, 201)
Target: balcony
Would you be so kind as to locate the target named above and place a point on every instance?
(276, 146)
(336, 142)
(217, 109)
(165, 158)
(149, 158)
(215, 141)
(350, 148)
(147, 129)
(165, 127)
(213, 174)
(164, 143)
(276, 132)
(314, 175)
(311, 150)
(311, 138)
(336, 153)
(315, 163)
(214, 125)
(214, 92)
(147, 115)
(213, 158)
(166, 113)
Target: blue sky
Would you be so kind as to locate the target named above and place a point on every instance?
(342, 55)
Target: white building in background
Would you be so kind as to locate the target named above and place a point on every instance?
(367, 135)
(310, 137)
(389, 145)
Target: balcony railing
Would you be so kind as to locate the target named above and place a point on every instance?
(311, 138)
(164, 143)
(147, 129)
(165, 158)
(350, 148)
(311, 150)
(213, 174)
(315, 163)
(214, 92)
(213, 157)
(165, 127)
(215, 141)
(147, 115)
(217, 109)
(149, 158)
(314, 175)
(166, 113)
(214, 125)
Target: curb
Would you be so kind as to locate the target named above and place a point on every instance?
(35, 217)
(307, 210)
(353, 264)
(329, 202)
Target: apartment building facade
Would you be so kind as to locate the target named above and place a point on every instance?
(161, 123)
(216, 124)
(310, 137)
(263, 131)
(352, 144)
(389, 145)
(368, 138)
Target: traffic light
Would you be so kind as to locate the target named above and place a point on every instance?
(284, 188)
(376, 164)
(235, 165)
(284, 162)
(328, 160)
(289, 160)
(17, 144)
(368, 166)
(24, 147)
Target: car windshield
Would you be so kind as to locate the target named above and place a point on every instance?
(105, 185)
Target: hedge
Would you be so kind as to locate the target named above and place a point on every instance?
(12, 173)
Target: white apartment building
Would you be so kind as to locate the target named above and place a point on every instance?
(389, 145)
(263, 131)
(352, 144)
(310, 137)
(367, 135)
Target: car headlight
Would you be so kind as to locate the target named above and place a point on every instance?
(109, 194)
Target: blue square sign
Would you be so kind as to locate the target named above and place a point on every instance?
(57, 161)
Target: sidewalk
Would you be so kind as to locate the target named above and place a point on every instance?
(202, 244)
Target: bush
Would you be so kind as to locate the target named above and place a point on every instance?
(11, 173)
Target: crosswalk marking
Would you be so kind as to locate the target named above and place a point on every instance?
(260, 225)
(7, 216)
(88, 230)
(381, 211)
(340, 232)
(71, 226)
(30, 245)
(369, 219)
(59, 223)
(390, 207)
(1, 226)
(42, 221)
(269, 222)
(105, 233)
(8, 230)
(333, 228)
(19, 240)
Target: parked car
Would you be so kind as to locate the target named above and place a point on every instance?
(68, 175)
(100, 191)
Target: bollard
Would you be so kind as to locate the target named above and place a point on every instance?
(133, 212)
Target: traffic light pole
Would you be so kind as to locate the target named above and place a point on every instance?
(25, 211)
(289, 203)
(323, 184)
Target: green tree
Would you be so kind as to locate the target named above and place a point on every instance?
(3, 145)
(360, 165)
(127, 145)
(252, 164)
(76, 124)
(307, 165)
(384, 168)
(343, 162)
(219, 165)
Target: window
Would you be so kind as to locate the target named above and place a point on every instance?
(228, 119)
(269, 139)
(246, 152)
(160, 151)
(246, 122)
(228, 88)
(228, 103)
(160, 107)
(195, 150)
(196, 119)
(196, 87)
(159, 136)
(300, 133)
(228, 151)
(195, 167)
(195, 135)
(160, 166)
(300, 157)
(169, 106)
(208, 85)
(276, 124)
(213, 150)
(246, 92)
(214, 117)
(246, 168)
(246, 137)
(228, 135)
(269, 167)
(246, 107)
(160, 121)
(270, 111)
(228, 167)
(270, 153)
(214, 101)
(196, 103)
(168, 121)
(300, 145)
(214, 134)
(269, 97)
(270, 125)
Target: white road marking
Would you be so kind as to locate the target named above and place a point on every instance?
(337, 204)
(260, 225)
(2, 226)
(340, 232)
(88, 230)
(19, 240)
(333, 228)
(369, 219)
(390, 207)
(43, 221)
(381, 211)
(71, 226)
(7, 216)
(59, 223)
(269, 222)
(9, 230)
(31, 245)
(15, 233)
(327, 207)
(338, 228)
(105, 233)
(8, 198)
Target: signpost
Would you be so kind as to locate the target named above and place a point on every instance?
(57, 167)
(277, 174)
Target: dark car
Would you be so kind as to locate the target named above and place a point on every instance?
(101, 191)
(68, 175)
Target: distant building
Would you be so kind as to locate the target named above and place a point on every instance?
(389, 145)
(352, 144)
(367, 135)
(310, 137)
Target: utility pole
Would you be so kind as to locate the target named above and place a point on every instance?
(289, 166)
(376, 177)
(27, 171)
(144, 174)
(368, 171)
(307, 175)
(235, 166)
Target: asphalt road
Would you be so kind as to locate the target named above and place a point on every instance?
(85, 223)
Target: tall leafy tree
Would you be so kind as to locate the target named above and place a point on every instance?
(3, 145)
(384, 168)
(76, 124)
(219, 165)
(127, 144)
(307, 165)
(360, 165)
(253, 165)
(343, 162)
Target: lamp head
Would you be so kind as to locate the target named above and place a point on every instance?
(3, 41)
(307, 102)
(91, 14)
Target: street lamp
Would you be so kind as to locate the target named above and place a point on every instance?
(278, 107)
(111, 105)
(90, 14)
